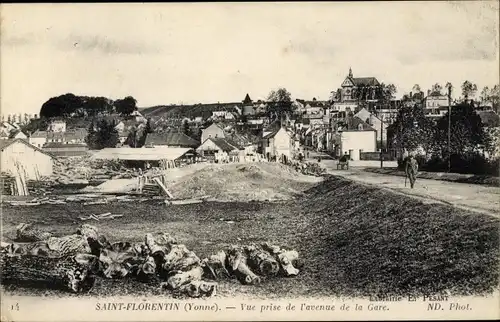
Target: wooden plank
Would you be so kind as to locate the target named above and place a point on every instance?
(162, 186)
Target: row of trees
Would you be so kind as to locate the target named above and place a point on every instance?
(469, 90)
(70, 105)
(103, 134)
(469, 138)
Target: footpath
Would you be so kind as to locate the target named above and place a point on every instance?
(484, 198)
(443, 176)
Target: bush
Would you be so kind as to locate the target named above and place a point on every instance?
(472, 163)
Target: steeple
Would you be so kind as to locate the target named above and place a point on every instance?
(350, 72)
(247, 100)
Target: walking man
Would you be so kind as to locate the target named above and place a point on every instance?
(411, 169)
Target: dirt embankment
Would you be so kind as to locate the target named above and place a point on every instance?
(362, 240)
(243, 182)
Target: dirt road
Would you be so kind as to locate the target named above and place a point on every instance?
(475, 197)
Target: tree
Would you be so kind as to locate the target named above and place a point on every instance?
(102, 135)
(411, 129)
(96, 105)
(126, 106)
(468, 89)
(485, 94)
(63, 105)
(279, 104)
(467, 132)
(416, 88)
(185, 128)
(436, 88)
(491, 96)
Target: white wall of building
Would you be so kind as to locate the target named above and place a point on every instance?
(280, 144)
(32, 163)
(38, 142)
(358, 141)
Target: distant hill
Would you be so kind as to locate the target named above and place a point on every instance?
(189, 111)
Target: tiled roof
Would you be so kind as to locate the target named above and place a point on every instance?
(365, 81)
(171, 139)
(6, 143)
(64, 145)
(356, 121)
(226, 145)
(39, 134)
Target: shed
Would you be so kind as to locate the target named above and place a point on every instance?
(166, 155)
(21, 158)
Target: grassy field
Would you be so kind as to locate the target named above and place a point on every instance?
(356, 240)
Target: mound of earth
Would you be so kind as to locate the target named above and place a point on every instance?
(243, 182)
(364, 241)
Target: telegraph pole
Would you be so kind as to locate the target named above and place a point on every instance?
(381, 142)
(449, 128)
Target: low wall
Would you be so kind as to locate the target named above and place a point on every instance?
(374, 156)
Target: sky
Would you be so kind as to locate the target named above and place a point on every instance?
(208, 52)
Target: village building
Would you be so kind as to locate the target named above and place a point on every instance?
(220, 150)
(38, 138)
(18, 134)
(22, 159)
(9, 126)
(75, 136)
(55, 137)
(4, 134)
(355, 91)
(376, 123)
(138, 117)
(435, 104)
(161, 156)
(212, 131)
(171, 139)
(225, 115)
(354, 136)
(278, 144)
(57, 126)
(66, 149)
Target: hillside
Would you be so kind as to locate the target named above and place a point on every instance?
(190, 111)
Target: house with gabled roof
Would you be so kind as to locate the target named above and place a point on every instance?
(38, 138)
(214, 130)
(20, 158)
(171, 139)
(220, 149)
(355, 136)
(277, 143)
(17, 134)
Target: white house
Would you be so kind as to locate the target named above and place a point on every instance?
(354, 142)
(57, 126)
(38, 139)
(213, 131)
(18, 135)
(138, 116)
(220, 149)
(4, 134)
(375, 122)
(277, 144)
(20, 158)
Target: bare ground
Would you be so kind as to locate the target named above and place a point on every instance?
(356, 240)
